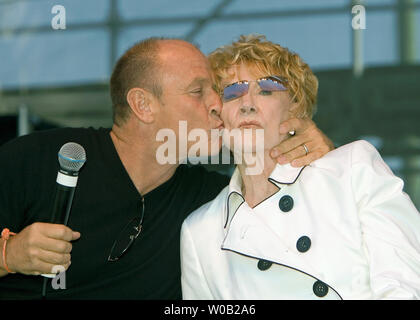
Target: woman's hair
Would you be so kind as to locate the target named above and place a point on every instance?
(271, 60)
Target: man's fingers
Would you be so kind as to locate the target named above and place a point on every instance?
(45, 261)
(295, 124)
(57, 238)
(54, 257)
(58, 246)
(39, 247)
(61, 232)
(292, 148)
(288, 145)
(306, 160)
(295, 153)
(47, 268)
(75, 235)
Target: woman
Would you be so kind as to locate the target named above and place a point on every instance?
(341, 228)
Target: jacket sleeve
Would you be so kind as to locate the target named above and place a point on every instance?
(390, 226)
(194, 284)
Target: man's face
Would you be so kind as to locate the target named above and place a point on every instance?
(187, 92)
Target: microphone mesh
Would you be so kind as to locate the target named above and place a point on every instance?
(72, 157)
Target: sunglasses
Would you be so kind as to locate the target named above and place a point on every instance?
(127, 236)
(240, 88)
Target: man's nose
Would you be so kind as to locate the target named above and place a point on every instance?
(215, 106)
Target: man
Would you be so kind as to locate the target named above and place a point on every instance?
(154, 85)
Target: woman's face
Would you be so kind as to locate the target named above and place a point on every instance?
(257, 110)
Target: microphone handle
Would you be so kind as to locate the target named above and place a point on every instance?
(63, 200)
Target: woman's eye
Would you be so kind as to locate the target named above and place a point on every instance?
(265, 93)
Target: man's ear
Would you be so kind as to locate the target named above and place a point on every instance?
(140, 101)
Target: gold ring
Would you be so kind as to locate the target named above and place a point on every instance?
(306, 148)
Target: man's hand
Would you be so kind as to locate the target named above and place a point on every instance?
(293, 150)
(39, 247)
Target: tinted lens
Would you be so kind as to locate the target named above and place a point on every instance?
(271, 85)
(235, 90)
(125, 239)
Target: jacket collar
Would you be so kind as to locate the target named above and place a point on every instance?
(281, 175)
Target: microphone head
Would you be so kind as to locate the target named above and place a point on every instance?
(72, 157)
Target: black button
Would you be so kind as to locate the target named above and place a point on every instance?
(264, 264)
(286, 203)
(303, 244)
(320, 289)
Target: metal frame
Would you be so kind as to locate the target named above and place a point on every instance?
(114, 23)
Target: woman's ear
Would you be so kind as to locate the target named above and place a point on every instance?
(140, 102)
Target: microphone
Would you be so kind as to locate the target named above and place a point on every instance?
(71, 157)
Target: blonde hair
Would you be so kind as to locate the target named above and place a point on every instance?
(272, 60)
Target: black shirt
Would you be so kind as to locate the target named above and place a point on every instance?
(104, 202)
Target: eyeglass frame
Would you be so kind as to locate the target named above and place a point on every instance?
(279, 79)
(132, 237)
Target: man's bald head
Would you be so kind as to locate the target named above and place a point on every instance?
(169, 48)
(141, 67)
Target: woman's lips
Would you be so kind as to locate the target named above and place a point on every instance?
(249, 124)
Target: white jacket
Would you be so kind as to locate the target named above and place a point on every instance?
(350, 233)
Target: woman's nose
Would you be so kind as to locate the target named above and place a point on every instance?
(247, 102)
(248, 109)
